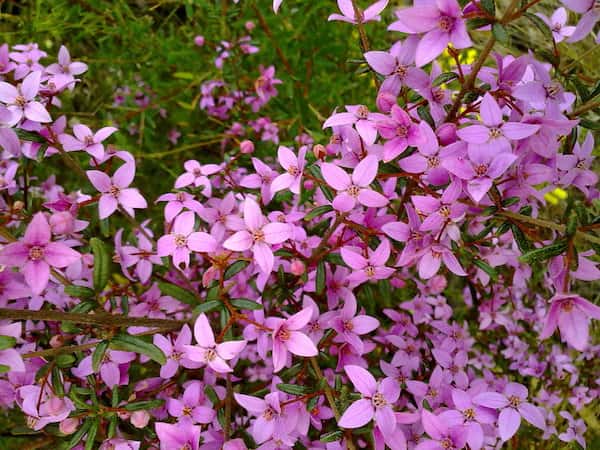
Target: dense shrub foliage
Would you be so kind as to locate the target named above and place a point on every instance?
(421, 274)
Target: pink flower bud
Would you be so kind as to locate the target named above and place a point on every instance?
(385, 101)
(140, 419)
(437, 284)
(62, 222)
(397, 282)
(57, 341)
(250, 25)
(297, 267)
(68, 426)
(308, 184)
(247, 147)
(319, 151)
(199, 40)
(447, 133)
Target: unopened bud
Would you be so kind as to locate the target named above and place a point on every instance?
(297, 267)
(57, 341)
(250, 25)
(68, 426)
(199, 40)
(247, 147)
(62, 222)
(18, 205)
(385, 101)
(140, 419)
(447, 133)
(319, 151)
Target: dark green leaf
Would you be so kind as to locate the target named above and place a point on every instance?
(544, 253)
(493, 273)
(179, 293)
(65, 360)
(500, 33)
(235, 268)
(318, 211)
(98, 355)
(244, 303)
(101, 264)
(147, 404)
(138, 345)
(294, 389)
(30, 136)
(91, 434)
(522, 242)
(332, 436)
(210, 305)
(489, 6)
(320, 280)
(444, 77)
(81, 292)
(7, 342)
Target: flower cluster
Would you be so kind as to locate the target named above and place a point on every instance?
(402, 285)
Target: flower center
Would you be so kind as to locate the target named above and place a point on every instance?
(552, 89)
(210, 355)
(31, 421)
(444, 211)
(258, 236)
(447, 444)
(438, 95)
(362, 112)
(433, 161)
(88, 140)
(401, 70)
(370, 271)
(495, 133)
(567, 306)
(378, 400)
(469, 414)
(283, 334)
(402, 130)
(431, 392)
(514, 401)
(268, 414)
(180, 240)
(180, 196)
(20, 101)
(186, 411)
(176, 356)
(581, 164)
(445, 23)
(481, 169)
(353, 191)
(36, 253)
(114, 191)
(348, 325)
(293, 171)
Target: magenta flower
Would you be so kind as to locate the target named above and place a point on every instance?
(294, 166)
(262, 179)
(432, 258)
(175, 352)
(210, 353)
(361, 118)
(376, 402)
(115, 191)
(440, 211)
(65, 65)
(43, 407)
(192, 405)
(368, 268)
(20, 101)
(287, 337)
(110, 369)
(35, 254)
(349, 326)
(268, 413)
(258, 236)
(356, 188)
(591, 15)
(400, 131)
(557, 23)
(176, 202)
(574, 169)
(571, 314)
(87, 140)
(182, 435)
(444, 436)
(512, 405)
(197, 175)
(495, 134)
(442, 23)
(349, 14)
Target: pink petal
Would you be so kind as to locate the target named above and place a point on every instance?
(299, 320)
(491, 114)
(276, 232)
(59, 255)
(38, 231)
(353, 259)
(239, 242)
(31, 85)
(252, 214)
(362, 380)
(131, 198)
(491, 400)
(474, 134)
(381, 62)
(301, 345)
(230, 349)
(99, 180)
(372, 199)
(533, 415)
(36, 112)
(124, 175)
(37, 274)
(508, 423)
(201, 242)
(263, 255)
(345, 118)
(335, 176)
(365, 171)
(203, 332)
(358, 414)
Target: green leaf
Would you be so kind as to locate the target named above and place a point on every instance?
(444, 77)
(82, 292)
(30, 136)
(510, 201)
(179, 293)
(235, 268)
(493, 273)
(294, 389)
(489, 6)
(57, 382)
(423, 112)
(101, 263)
(320, 280)
(500, 33)
(211, 394)
(318, 211)
(4, 368)
(539, 24)
(91, 435)
(147, 404)
(335, 258)
(136, 344)
(522, 242)
(7, 342)
(590, 124)
(210, 305)
(332, 436)
(78, 435)
(244, 303)
(65, 360)
(544, 253)
(98, 355)
(476, 23)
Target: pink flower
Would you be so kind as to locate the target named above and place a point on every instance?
(349, 14)
(400, 131)
(268, 413)
(287, 337)
(361, 118)
(210, 353)
(349, 326)
(87, 140)
(182, 435)
(294, 166)
(115, 190)
(43, 407)
(512, 406)
(376, 402)
(571, 314)
(356, 188)
(20, 101)
(368, 268)
(175, 352)
(258, 235)
(35, 254)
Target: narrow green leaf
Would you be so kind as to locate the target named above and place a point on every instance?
(101, 263)
(443, 78)
(320, 280)
(332, 436)
(208, 306)
(4, 368)
(211, 394)
(489, 6)
(81, 292)
(244, 303)
(235, 268)
(98, 355)
(146, 404)
(65, 360)
(179, 293)
(138, 345)
(294, 389)
(522, 242)
(91, 435)
(493, 273)
(500, 33)
(78, 435)
(544, 253)
(7, 342)
(318, 211)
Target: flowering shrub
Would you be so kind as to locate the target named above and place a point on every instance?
(403, 285)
